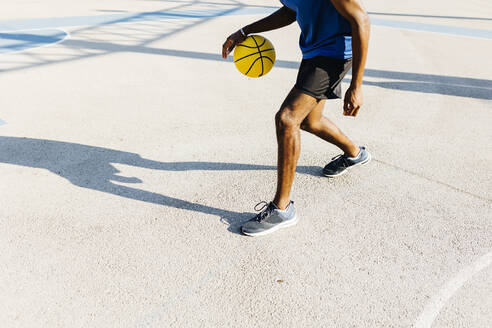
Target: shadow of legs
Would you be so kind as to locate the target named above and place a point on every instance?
(233, 219)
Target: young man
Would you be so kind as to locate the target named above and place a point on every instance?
(331, 31)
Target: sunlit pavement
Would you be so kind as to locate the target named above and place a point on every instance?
(130, 154)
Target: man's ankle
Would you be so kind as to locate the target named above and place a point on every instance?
(281, 204)
(353, 152)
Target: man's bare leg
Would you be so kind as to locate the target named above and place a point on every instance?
(322, 127)
(292, 113)
(296, 110)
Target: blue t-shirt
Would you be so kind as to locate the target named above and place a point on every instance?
(324, 32)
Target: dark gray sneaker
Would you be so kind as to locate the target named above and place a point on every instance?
(270, 219)
(341, 163)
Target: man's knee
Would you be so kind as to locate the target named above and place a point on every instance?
(285, 120)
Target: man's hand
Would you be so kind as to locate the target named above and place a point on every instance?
(352, 101)
(357, 16)
(231, 42)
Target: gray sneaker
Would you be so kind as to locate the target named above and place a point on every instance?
(270, 219)
(341, 163)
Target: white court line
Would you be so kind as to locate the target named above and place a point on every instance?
(67, 36)
(35, 29)
(432, 309)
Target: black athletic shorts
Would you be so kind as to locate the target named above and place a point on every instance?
(321, 77)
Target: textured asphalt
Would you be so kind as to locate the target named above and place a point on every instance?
(130, 154)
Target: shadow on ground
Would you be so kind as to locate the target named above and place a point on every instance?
(91, 167)
(406, 81)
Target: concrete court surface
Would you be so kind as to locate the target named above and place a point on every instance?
(130, 154)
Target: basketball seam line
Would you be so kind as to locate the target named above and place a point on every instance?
(252, 66)
(252, 47)
(261, 57)
(253, 54)
(255, 62)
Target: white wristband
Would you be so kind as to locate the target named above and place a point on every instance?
(242, 32)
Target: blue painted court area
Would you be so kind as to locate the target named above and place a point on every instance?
(28, 39)
(2, 122)
(97, 20)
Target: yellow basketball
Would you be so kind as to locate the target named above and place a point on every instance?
(255, 56)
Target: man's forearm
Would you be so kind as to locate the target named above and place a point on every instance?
(360, 44)
(282, 17)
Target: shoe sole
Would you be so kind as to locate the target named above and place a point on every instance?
(285, 224)
(368, 159)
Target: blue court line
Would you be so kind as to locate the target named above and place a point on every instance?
(445, 29)
(47, 23)
(431, 16)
